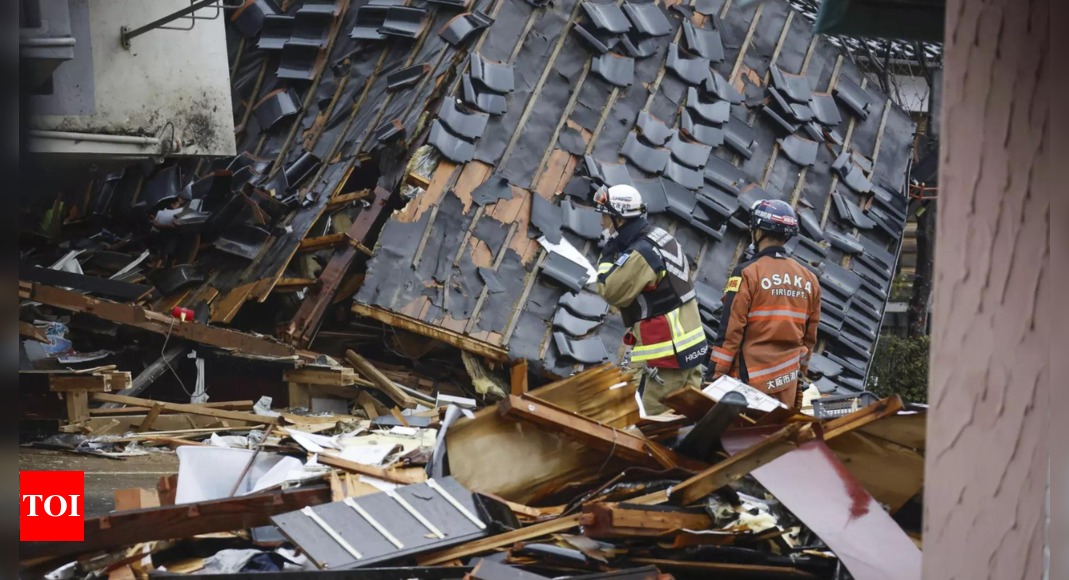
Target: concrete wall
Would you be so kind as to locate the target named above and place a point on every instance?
(166, 76)
(987, 455)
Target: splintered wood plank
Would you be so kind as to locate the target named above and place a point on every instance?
(593, 434)
(490, 351)
(165, 325)
(184, 408)
(740, 464)
(507, 539)
(390, 475)
(379, 380)
(690, 402)
(614, 520)
(847, 423)
(224, 310)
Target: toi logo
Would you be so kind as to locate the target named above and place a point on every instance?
(51, 506)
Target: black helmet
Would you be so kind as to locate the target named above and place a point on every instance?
(777, 217)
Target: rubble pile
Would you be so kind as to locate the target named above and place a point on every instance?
(567, 480)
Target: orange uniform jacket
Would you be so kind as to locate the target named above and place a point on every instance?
(769, 323)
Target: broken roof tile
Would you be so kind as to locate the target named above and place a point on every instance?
(614, 174)
(607, 16)
(653, 195)
(647, 158)
(486, 102)
(587, 351)
(724, 175)
(249, 18)
(277, 29)
(795, 87)
(301, 168)
(718, 86)
(810, 224)
(462, 26)
(572, 275)
(801, 151)
(689, 153)
(452, 147)
(298, 61)
(853, 96)
(740, 137)
(711, 135)
(388, 132)
(276, 106)
(648, 18)
(843, 242)
(404, 22)
(704, 43)
(825, 110)
(583, 221)
(495, 76)
(406, 77)
(494, 189)
(586, 305)
(688, 177)
(652, 130)
(369, 18)
(547, 218)
(681, 200)
(592, 39)
(692, 70)
(461, 121)
(571, 141)
(716, 112)
(779, 121)
(572, 324)
(851, 174)
(614, 69)
(638, 45)
(493, 283)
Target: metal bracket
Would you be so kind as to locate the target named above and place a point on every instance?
(126, 35)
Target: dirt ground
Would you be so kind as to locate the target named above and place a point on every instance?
(102, 476)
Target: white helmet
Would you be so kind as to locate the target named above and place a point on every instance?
(620, 201)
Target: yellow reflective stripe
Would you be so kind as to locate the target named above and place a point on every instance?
(673, 319)
(655, 346)
(650, 356)
(604, 267)
(691, 342)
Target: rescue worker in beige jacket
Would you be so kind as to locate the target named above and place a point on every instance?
(644, 272)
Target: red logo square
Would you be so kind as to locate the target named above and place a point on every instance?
(52, 506)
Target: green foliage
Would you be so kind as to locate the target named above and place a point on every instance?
(900, 366)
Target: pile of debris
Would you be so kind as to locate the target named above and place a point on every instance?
(565, 480)
(405, 226)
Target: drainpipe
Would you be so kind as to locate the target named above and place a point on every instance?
(121, 139)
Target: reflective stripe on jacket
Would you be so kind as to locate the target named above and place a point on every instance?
(673, 339)
(768, 326)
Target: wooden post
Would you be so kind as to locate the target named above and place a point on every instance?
(987, 452)
(299, 395)
(150, 418)
(77, 406)
(519, 378)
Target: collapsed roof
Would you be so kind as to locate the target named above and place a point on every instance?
(439, 158)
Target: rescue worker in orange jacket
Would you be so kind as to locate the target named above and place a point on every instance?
(644, 272)
(768, 326)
